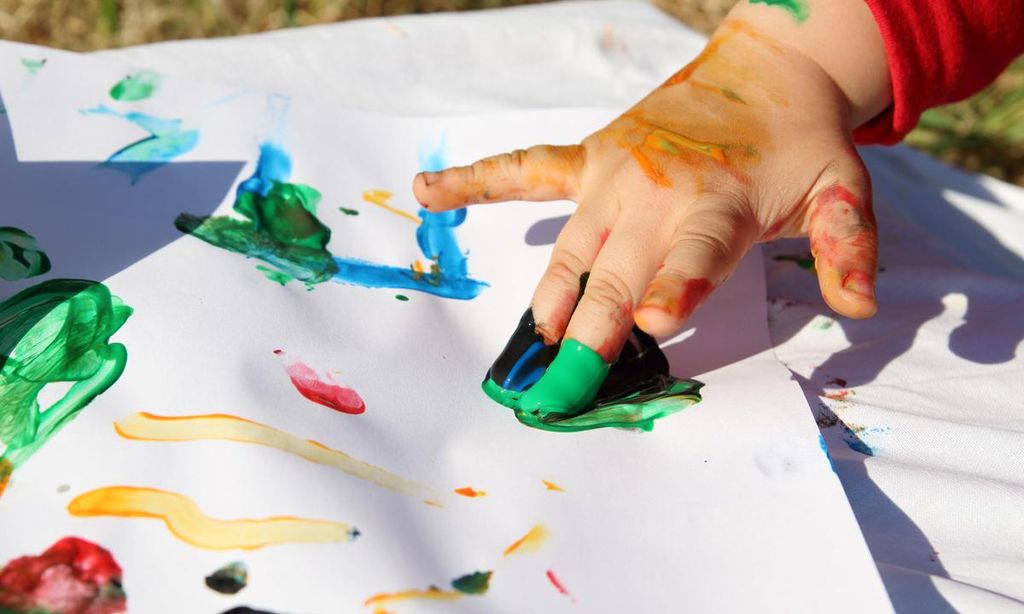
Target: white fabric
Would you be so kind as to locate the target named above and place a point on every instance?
(936, 379)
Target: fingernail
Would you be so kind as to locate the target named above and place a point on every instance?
(521, 363)
(858, 283)
(430, 177)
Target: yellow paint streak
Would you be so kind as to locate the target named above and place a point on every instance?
(432, 594)
(531, 542)
(381, 198)
(552, 486)
(668, 141)
(653, 173)
(150, 427)
(188, 523)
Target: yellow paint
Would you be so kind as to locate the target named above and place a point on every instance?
(188, 523)
(668, 141)
(433, 594)
(381, 198)
(552, 486)
(531, 542)
(150, 427)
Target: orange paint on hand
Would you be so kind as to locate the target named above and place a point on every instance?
(433, 594)
(188, 523)
(665, 295)
(381, 198)
(653, 173)
(469, 491)
(667, 141)
(531, 542)
(151, 427)
(552, 486)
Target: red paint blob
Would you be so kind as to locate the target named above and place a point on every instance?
(324, 391)
(557, 583)
(73, 576)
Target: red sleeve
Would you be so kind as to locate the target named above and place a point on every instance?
(940, 51)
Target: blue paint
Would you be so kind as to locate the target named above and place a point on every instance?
(437, 241)
(519, 378)
(859, 439)
(274, 164)
(824, 448)
(166, 141)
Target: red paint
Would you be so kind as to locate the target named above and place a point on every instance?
(557, 583)
(604, 235)
(279, 352)
(774, 230)
(324, 391)
(838, 396)
(73, 576)
(693, 294)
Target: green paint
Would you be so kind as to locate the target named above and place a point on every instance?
(805, 262)
(33, 66)
(797, 8)
(229, 579)
(733, 96)
(475, 583)
(20, 257)
(563, 398)
(347, 211)
(401, 297)
(274, 275)
(280, 228)
(136, 86)
(55, 331)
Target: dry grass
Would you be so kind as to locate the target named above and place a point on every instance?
(985, 133)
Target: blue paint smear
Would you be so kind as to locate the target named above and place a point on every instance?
(858, 440)
(166, 142)
(824, 448)
(274, 164)
(519, 378)
(437, 241)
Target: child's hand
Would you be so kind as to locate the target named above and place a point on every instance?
(749, 142)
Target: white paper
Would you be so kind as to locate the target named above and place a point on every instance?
(728, 506)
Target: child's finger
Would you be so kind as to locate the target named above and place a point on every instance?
(844, 242)
(542, 172)
(574, 254)
(604, 316)
(708, 246)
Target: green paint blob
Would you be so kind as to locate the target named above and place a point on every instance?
(20, 257)
(32, 65)
(401, 297)
(280, 228)
(229, 579)
(55, 331)
(475, 583)
(797, 8)
(347, 211)
(274, 275)
(563, 398)
(136, 86)
(805, 262)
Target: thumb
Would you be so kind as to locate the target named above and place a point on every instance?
(844, 241)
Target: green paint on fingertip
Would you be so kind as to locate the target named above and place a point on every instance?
(475, 583)
(402, 297)
(798, 9)
(570, 382)
(136, 86)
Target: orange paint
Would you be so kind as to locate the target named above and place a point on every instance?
(667, 141)
(6, 469)
(469, 491)
(726, 31)
(188, 523)
(839, 396)
(381, 198)
(531, 542)
(666, 295)
(552, 486)
(653, 173)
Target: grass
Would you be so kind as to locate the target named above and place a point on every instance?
(984, 133)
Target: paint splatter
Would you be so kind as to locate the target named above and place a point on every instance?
(188, 523)
(167, 140)
(531, 542)
(863, 439)
(840, 395)
(244, 609)
(552, 486)
(73, 576)
(469, 491)
(475, 583)
(323, 389)
(348, 211)
(229, 579)
(56, 331)
(32, 65)
(557, 583)
(136, 86)
(402, 297)
(149, 427)
(798, 9)
(20, 256)
(382, 199)
(282, 230)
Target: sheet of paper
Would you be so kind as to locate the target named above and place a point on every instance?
(727, 506)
